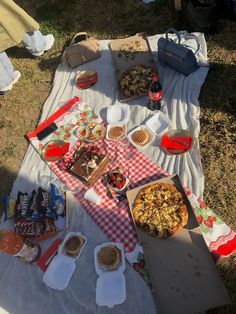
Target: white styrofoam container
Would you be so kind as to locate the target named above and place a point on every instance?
(61, 268)
(69, 235)
(111, 285)
(59, 272)
(118, 114)
(142, 127)
(110, 289)
(109, 126)
(158, 123)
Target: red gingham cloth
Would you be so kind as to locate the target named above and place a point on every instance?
(111, 216)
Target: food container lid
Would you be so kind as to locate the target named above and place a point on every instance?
(158, 123)
(69, 235)
(110, 289)
(118, 113)
(151, 136)
(59, 272)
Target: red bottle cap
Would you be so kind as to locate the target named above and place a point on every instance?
(155, 77)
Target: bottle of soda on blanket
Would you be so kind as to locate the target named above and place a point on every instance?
(12, 244)
(155, 94)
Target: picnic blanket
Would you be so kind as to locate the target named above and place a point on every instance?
(181, 105)
(111, 216)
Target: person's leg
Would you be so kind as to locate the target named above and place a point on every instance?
(7, 74)
(36, 43)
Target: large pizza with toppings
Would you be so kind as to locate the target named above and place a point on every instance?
(159, 210)
(136, 80)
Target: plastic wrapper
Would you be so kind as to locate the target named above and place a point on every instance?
(57, 203)
(32, 206)
(8, 207)
(42, 204)
(22, 204)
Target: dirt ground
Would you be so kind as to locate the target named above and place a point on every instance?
(20, 109)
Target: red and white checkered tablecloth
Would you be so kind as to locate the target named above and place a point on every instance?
(111, 216)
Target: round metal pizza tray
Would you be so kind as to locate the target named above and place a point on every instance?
(57, 143)
(178, 133)
(86, 79)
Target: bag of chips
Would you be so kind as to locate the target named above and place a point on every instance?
(8, 207)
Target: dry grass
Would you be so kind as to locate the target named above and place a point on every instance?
(20, 109)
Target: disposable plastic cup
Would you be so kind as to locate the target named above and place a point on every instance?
(92, 196)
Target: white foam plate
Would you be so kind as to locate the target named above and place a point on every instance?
(69, 235)
(61, 268)
(111, 285)
(118, 114)
(59, 272)
(110, 289)
(142, 127)
(158, 123)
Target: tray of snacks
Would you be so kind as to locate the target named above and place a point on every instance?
(87, 164)
(109, 260)
(61, 268)
(134, 64)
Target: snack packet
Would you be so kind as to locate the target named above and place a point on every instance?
(8, 207)
(57, 203)
(32, 206)
(42, 204)
(25, 227)
(22, 203)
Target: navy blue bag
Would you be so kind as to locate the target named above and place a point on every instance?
(178, 55)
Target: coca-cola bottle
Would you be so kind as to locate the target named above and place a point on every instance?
(155, 94)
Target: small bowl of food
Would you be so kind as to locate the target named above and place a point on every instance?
(82, 132)
(116, 132)
(99, 132)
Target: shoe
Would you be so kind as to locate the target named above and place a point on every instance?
(9, 87)
(49, 42)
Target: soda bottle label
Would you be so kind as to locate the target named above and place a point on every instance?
(28, 252)
(155, 96)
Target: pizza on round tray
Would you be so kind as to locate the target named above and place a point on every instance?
(159, 210)
(136, 80)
